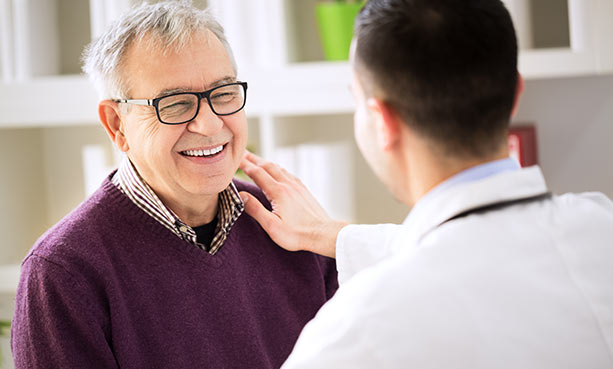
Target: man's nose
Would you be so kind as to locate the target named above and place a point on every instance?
(206, 122)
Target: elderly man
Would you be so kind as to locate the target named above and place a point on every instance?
(489, 270)
(160, 268)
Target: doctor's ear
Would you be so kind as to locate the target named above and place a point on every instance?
(110, 117)
(387, 122)
(519, 89)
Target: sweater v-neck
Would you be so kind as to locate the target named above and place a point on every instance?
(150, 227)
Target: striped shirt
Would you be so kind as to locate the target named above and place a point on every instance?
(134, 187)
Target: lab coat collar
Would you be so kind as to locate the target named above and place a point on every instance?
(506, 186)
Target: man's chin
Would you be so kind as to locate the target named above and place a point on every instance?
(210, 186)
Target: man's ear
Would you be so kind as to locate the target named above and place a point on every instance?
(387, 122)
(108, 111)
(518, 91)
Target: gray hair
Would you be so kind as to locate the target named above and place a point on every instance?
(172, 25)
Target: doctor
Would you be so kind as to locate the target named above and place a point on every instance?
(489, 270)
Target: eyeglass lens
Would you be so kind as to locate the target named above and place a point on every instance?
(224, 100)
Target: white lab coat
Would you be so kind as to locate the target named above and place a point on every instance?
(526, 286)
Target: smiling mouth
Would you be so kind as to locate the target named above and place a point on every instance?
(203, 153)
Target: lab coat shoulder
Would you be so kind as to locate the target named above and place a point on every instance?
(587, 216)
(360, 246)
(587, 202)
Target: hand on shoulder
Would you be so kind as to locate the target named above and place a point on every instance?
(297, 221)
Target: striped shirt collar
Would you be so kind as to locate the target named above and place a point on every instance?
(136, 189)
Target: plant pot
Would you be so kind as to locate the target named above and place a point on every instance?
(335, 22)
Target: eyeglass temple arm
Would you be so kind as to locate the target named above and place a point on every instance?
(135, 102)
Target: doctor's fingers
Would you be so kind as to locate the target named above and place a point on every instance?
(277, 186)
(278, 173)
(260, 176)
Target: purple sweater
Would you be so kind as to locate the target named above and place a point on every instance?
(109, 287)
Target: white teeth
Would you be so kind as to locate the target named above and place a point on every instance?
(210, 152)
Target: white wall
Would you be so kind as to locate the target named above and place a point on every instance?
(23, 208)
(574, 120)
(63, 163)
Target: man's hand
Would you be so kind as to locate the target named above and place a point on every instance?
(297, 221)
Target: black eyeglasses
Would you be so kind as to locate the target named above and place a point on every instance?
(182, 107)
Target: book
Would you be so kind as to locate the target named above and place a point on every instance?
(522, 145)
(265, 44)
(103, 12)
(35, 38)
(326, 169)
(6, 41)
(95, 168)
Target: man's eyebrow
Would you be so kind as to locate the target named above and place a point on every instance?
(219, 82)
(170, 91)
(223, 81)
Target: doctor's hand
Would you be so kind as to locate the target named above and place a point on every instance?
(297, 221)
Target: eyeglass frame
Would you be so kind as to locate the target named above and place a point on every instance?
(200, 95)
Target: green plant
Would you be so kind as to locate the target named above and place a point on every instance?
(5, 328)
(344, 1)
(335, 21)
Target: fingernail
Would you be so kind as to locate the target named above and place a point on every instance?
(245, 198)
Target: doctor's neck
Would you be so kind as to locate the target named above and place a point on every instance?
(426, 167)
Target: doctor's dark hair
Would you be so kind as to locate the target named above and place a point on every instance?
(447, 67)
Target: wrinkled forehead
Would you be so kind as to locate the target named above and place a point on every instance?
(152, 65)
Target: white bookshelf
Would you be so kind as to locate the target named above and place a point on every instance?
(588, 50)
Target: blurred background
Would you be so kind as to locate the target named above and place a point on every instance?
(54, 152)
